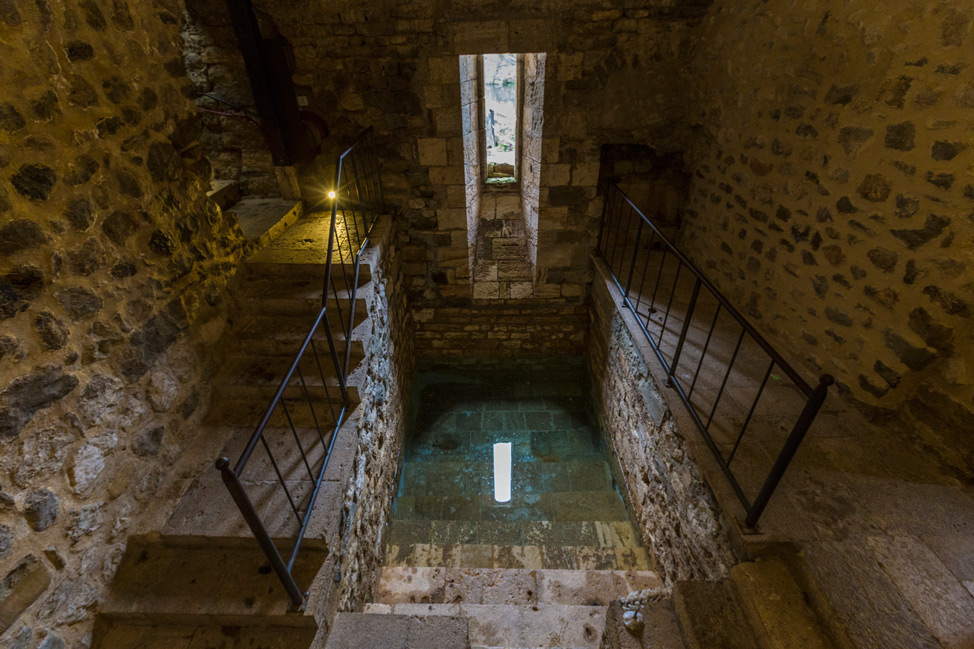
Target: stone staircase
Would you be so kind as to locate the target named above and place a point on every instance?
(202, 582)
(765, 604)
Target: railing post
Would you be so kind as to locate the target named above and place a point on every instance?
(605, 205)
(250, 515)
(635, 251)
(683, 333)
(794, 440)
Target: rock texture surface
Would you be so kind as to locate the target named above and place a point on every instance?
(112, 264)
(677, 513)
(832, 195)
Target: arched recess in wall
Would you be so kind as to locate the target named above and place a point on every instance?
(502, 217)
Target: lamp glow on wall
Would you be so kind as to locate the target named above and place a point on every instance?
(502, 472)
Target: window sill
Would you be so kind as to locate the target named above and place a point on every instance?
(502, 185)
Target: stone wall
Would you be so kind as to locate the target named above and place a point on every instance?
(232, 136)
(611, 74)
(833, 194)
(112, 265)
(385, 377)
(676, 511)
(528, 328)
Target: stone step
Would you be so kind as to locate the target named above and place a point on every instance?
(301, 280)
(131, 635)
(517, 557)
(513, 626)
(375, 631)
(566, 506)
(427, 585)
(243, 405)
(549, 533)
(283, 274)
(710, 615)
(476, 476)
(287, 305)
(262, 372)
(259, 324)
(162, 581)
(661, 629)
(206, 509)
(264, 218)
(224, 193)
(286, 344)
(777, 607)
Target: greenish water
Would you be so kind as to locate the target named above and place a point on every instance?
(559, 474)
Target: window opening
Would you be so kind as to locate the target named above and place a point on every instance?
(500, 116)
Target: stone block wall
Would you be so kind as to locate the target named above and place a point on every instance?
(112, 266)
(677, 513)
(385, 376)
(833, 194)
(612, 74)
(527, 328)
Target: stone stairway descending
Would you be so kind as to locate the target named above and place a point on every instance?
(765, 604)
(202, 582)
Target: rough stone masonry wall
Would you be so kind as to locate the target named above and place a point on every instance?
(215, 66)
(613, 73)
(112, 263)
(677, 513)
(834, 195)
(387, 374)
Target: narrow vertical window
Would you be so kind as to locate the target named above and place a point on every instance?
(500, 108)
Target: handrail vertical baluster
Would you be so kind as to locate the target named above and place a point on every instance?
(358, 166)
(812, 406)
(252, 518)
(610, 227)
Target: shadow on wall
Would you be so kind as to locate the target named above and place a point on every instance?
(659, 184)
(232, 135)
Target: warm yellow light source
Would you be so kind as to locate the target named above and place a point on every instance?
(331, 195)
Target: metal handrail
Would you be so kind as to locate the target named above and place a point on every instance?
(617, 208)
(358, 196)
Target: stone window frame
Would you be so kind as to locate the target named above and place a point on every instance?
(515, 185)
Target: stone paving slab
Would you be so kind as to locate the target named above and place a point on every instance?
(550, 625)
(401, 585)
(518, 557)
(397, 631)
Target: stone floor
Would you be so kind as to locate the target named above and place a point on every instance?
(887, 531)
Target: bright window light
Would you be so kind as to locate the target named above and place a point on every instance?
(502, 472)
(500, 116)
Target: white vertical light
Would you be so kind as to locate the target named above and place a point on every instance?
(502, 472)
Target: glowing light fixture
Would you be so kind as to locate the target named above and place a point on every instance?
(502, 472)
(331, 194)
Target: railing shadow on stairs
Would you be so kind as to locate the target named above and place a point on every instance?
(356, 205)
(642, 261)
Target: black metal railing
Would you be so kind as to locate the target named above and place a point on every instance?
(724, 371)
(298, 429)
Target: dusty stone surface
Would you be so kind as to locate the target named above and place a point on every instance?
(112, 264)
(832, 196)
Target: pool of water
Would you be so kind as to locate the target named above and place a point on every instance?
(452, 486)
